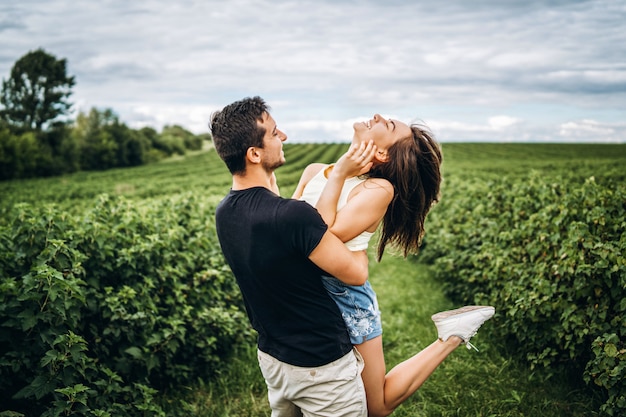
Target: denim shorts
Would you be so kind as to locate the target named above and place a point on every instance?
(359, 308)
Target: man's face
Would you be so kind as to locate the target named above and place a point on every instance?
(273, 155)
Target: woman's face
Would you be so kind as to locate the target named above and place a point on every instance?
(384, 133)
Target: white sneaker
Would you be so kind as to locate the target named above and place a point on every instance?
(463, 322)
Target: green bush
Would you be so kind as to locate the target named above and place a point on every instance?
(100, 312)
(550, 257)
(607, 369)
(20, 155)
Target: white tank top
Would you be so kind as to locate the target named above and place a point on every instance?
(311, 195)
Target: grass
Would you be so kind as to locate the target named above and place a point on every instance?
(468, 383)
(237, 391)
(486, 383)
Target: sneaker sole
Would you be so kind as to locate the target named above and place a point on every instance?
(486, 310)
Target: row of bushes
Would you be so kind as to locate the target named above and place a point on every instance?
(99, 312)
(549, 255)
(95, 141)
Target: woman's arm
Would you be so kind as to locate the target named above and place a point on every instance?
(355, 162)
(367, 204)
(364, 210)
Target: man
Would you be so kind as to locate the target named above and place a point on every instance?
(278, 249)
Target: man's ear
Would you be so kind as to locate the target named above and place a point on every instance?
(253, 155)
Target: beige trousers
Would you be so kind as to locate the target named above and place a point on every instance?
(332, 390)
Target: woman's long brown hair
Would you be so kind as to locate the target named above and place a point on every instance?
(414, 169)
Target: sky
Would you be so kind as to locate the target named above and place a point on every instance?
(483, 70)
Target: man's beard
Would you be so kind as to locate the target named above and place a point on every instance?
(272, 166)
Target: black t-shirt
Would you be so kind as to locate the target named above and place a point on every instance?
(266, 240)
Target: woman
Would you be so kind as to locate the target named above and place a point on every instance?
(398, 191)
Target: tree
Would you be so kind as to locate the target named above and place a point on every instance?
(97, 146)
(21, 156)
(36, 94)
(178, 134)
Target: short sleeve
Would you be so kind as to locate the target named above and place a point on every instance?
(300, 225)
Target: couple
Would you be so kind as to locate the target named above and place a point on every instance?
(307, 292)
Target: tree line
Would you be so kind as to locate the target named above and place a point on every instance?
(38, 138)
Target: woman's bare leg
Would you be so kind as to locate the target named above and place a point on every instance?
(386, 391)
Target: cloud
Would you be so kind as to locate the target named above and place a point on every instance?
(502, 122)
(591, 130)
(485, 70)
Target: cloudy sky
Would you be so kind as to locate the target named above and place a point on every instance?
(484, 70)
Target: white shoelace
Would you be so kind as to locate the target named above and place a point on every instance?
(470, 346)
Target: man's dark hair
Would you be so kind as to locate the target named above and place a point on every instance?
(236, 128)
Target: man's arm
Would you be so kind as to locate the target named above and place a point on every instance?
(337, 260)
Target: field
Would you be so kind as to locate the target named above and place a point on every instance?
(202, 172)
(500, 380)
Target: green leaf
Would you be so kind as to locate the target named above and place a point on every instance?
(134, 351)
